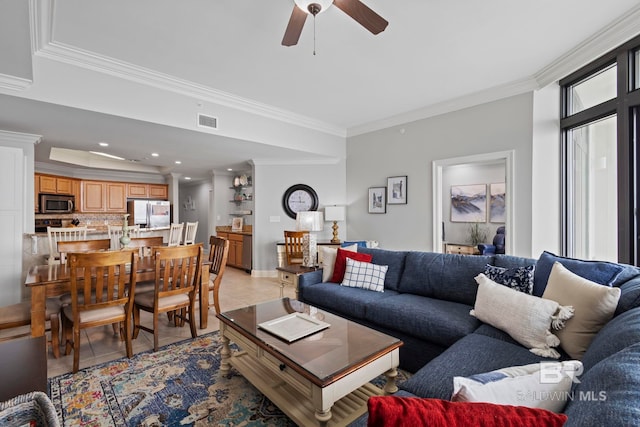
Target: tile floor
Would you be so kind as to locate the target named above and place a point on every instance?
(100, 345)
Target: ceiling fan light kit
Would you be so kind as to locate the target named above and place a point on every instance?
(357, 10)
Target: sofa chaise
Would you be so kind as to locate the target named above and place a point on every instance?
(427, 301)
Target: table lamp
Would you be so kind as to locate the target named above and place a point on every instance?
(335, 214)
(309, 221)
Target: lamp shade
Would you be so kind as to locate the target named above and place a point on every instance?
(309, 221)
(334, 213)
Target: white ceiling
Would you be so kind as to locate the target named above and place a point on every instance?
(432, 52)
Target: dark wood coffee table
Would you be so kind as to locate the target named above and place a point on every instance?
(323, 378)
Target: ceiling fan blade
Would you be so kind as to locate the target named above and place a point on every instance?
(294, 28)
(363, 15)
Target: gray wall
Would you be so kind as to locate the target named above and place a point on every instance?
(409, 150)
(271, 180)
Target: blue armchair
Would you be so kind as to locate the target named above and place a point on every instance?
(498, 244)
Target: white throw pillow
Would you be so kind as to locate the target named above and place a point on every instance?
(526, 318)
(358, 274)
(594, 306)
(329, 259)
(543, 385)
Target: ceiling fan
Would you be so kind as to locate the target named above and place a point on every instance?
(354, 8)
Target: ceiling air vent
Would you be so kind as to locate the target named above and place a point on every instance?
(207, 121)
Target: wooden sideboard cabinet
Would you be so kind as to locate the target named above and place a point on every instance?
(240, 247)
(455, 248)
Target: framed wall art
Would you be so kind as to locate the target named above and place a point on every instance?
(469, 203)
(377, 200)
(397, 190)
(497, 202)
(236, 224)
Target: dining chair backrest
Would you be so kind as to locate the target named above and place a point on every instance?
(177, 270)
(115, 233)
(190, 233)
(293, 246)
(101, 279)
(70, 246)
(145, 244)
(63, 234)
(218, 253)
(175, 234)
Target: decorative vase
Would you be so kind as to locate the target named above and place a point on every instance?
(125, 239)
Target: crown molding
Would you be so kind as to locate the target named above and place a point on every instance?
(613, 35)
(46, 47)
(294, 162)
(19, 138)
(481, 97)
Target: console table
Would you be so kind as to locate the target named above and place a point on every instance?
(460, 249)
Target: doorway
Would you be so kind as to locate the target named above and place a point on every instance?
(505, 158)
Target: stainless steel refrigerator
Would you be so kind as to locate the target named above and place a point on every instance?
(149, 213)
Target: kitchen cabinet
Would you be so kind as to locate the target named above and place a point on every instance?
(158, 191)
(147, 191)
(54, 185)
(239, 249)
(36, 194)
(103, 196)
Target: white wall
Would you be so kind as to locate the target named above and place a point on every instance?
(270, 181)
(409, 149)
(545, 183)
(199, 193)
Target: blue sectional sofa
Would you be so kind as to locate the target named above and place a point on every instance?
(426, 303)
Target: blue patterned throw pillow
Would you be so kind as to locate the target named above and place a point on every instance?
(519, 278)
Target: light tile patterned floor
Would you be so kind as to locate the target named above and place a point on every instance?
(100, 345)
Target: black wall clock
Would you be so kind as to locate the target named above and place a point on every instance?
(298, 198)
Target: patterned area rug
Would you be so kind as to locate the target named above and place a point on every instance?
(180, 385)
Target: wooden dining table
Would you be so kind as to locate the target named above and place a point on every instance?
(53, 280)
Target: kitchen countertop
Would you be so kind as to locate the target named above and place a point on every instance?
(227, 229)
(100, 230)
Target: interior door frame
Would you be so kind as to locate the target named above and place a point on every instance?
(510, 197)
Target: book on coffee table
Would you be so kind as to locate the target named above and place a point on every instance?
(294, 326)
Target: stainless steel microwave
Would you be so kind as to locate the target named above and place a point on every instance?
(56, 203)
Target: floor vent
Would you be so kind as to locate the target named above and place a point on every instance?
(207, 121)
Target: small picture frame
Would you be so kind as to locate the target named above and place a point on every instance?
(236, 224)
(377, 200)
(397, 190)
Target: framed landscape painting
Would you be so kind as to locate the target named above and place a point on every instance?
(377, 200)
(497, 202)
(469, 203)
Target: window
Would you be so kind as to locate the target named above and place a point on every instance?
(593, 90)
(601, 160)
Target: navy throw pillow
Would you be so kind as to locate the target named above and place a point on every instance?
(601, 272)
(518, 278)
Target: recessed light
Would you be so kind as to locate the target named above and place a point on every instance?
(178, 162)
(103, 144)
(188, 178)
(154, 154)
(229, 169)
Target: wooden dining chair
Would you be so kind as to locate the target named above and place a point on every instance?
(293, 246)
(17, 315)
(102, 291)
(190, 230)
(67, 247)
(115, 233)
(62, 234)
(218, 254)
(175, 234)
(178, 270)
